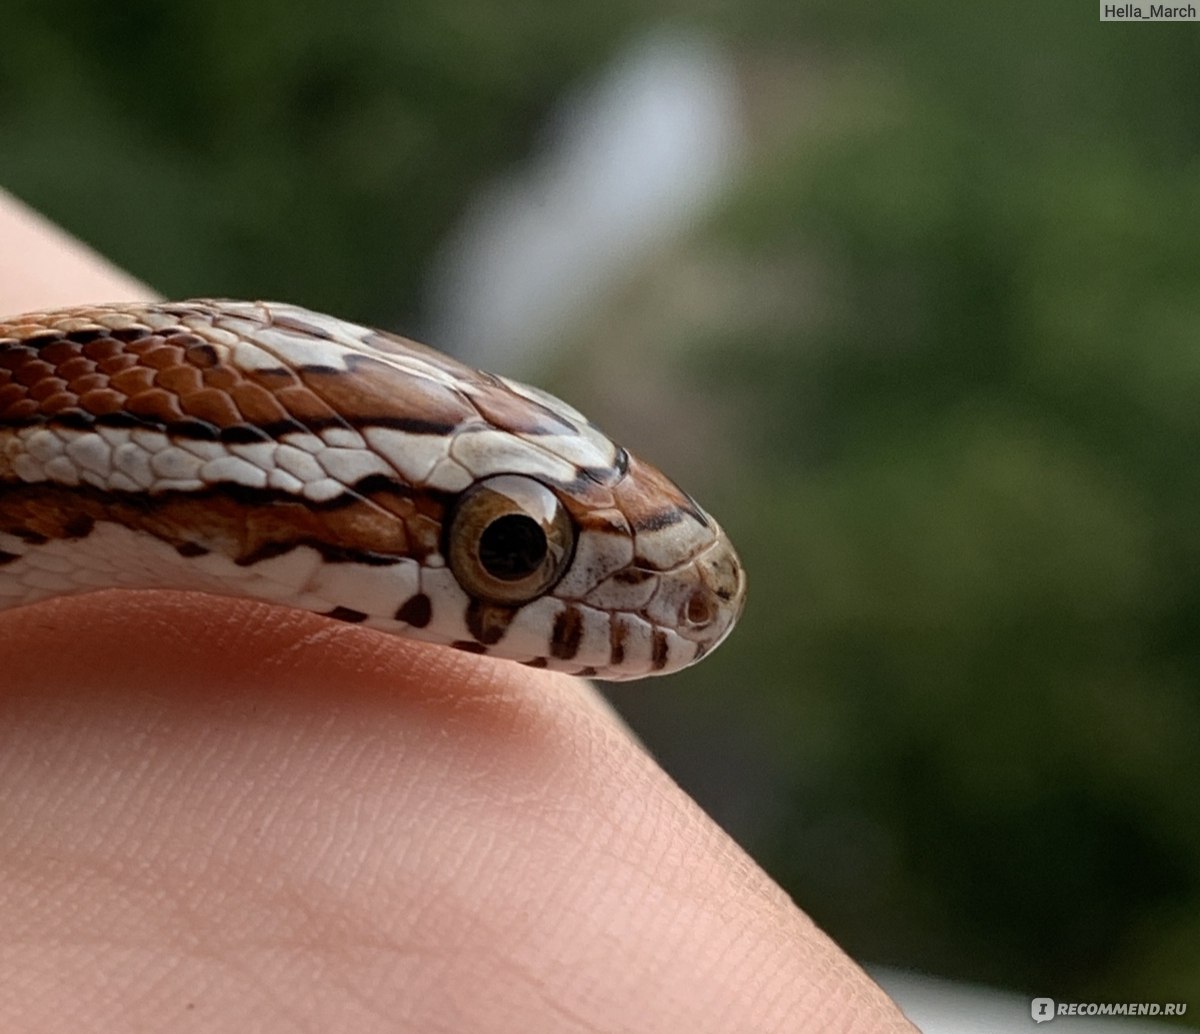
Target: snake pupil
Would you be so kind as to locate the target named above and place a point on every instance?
(512, 547)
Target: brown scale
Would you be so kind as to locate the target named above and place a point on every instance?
(567, 634)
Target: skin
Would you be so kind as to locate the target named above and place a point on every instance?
(221, 816)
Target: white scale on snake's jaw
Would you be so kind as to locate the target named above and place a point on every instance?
(261, 450)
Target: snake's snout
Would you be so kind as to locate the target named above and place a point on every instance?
(715, 603)
(696, 603)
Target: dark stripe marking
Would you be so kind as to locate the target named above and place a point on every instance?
(657, 521)
(352, 617)
(66, 509)
(201, 430)
(417, 611)
(34, 538)
(79, 527)
(658, 649)
(567, 634)
(469, 646)
(617, 631)
(488, 622)
(632, 576)
(202, 355)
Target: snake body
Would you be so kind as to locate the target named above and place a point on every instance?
(262, 450)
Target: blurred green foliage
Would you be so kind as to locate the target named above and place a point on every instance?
(314, 151)
(960, 720)
(973, 538)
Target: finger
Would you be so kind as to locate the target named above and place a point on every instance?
(42, 267)
(264, 814)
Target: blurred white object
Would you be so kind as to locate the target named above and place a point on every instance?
(631, 161)
(943, 1007)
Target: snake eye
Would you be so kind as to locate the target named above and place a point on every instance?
(510, 539)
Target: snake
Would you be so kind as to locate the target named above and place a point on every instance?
(261, 450)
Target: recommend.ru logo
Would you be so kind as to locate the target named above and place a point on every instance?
(1042, 1009)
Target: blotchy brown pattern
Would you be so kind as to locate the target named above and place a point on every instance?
(179, 383)
(78, 369)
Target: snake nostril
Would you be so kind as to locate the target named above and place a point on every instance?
(699, 610)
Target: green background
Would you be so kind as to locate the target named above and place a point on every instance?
(943, 391)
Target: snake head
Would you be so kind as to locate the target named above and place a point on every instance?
(578, 556)
(258, 449)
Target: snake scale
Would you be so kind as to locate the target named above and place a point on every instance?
(261, 450)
